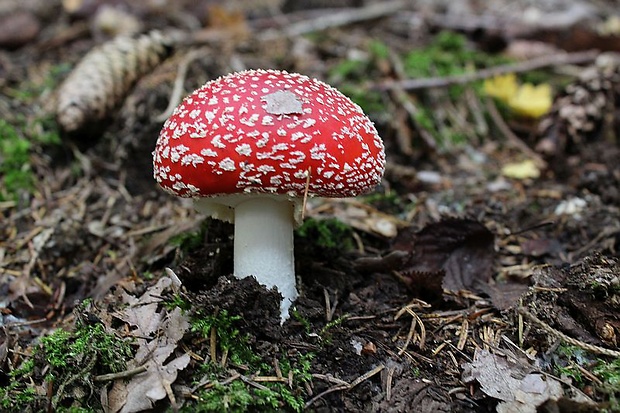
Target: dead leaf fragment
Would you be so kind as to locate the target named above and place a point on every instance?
(505, 296)
(460, 249)
(157, 332)
(519, 390)
(526, 169)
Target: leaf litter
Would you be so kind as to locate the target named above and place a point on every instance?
(520, 389)
(392, 321)
(157, 333)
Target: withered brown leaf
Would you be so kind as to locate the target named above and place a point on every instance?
(459, 252)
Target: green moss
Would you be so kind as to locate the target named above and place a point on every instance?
(241, 394)
(327, 234)
(447, 55)
(229, 337)
(15, 171)
(18, 394)
(567, 360)
(325, 331)
(177, 301)
(66, 359)
(609, 373)
(189, 241)
(66, 352)
(17, 142)
(30, 90)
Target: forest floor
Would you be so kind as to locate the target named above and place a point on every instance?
(482, 275)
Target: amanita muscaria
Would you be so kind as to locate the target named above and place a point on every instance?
(248, 146)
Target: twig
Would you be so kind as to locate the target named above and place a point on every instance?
(341, 384)
(304, 203)
(328, 306)
(366, 376)
(511, 137)
(338, 19)
(25, 323)
(270, 379)
(588, 374)
(252, 383)
(120, 375)
(572, 341)
(213, 344)
(406, 102)
(388, 383)
(526, 66)
(330, 379)
(177, 89)
(463, 333)
(325, 393)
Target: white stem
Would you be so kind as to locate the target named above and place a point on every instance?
(264, 245)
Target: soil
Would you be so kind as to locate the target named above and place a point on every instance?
(449, 257)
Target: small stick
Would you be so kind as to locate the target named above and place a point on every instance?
(463, 334)
(213, 344)
(572, 341)
(337, 19)
(511, 137)
(343, 385)
(366, 376)
(25, 323)
(121, 374)
(526, 66)
(252, 383)
(276, 366)
(306, 189)
(177, 89)
(388, 383)
(328, 306)
(270, 379)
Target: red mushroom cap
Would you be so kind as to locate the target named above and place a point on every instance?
(264, 131)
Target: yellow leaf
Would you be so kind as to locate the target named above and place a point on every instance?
(521, 170)
(532, 101)
(501, 87)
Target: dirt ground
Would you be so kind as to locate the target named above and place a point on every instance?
(481, 275)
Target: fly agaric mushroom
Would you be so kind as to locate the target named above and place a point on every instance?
(250, 145)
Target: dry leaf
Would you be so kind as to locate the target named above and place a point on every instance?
(519, 390)
(144, 314)
(501, 87)
(505, 296)
(521, 170)
(460, 249)
(532, 101)
(526, 100)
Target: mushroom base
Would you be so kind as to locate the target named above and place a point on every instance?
(263, 245)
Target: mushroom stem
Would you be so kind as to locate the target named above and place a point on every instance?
(263, 245)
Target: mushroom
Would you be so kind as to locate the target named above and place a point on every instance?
(249, 146)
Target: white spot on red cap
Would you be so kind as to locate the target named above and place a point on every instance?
(244, 149)
(227, 164)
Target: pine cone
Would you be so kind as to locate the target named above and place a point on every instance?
(105, 75)
(582, 112)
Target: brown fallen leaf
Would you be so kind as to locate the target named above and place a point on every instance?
(157, 332)
(460, 252)
(506, 295)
